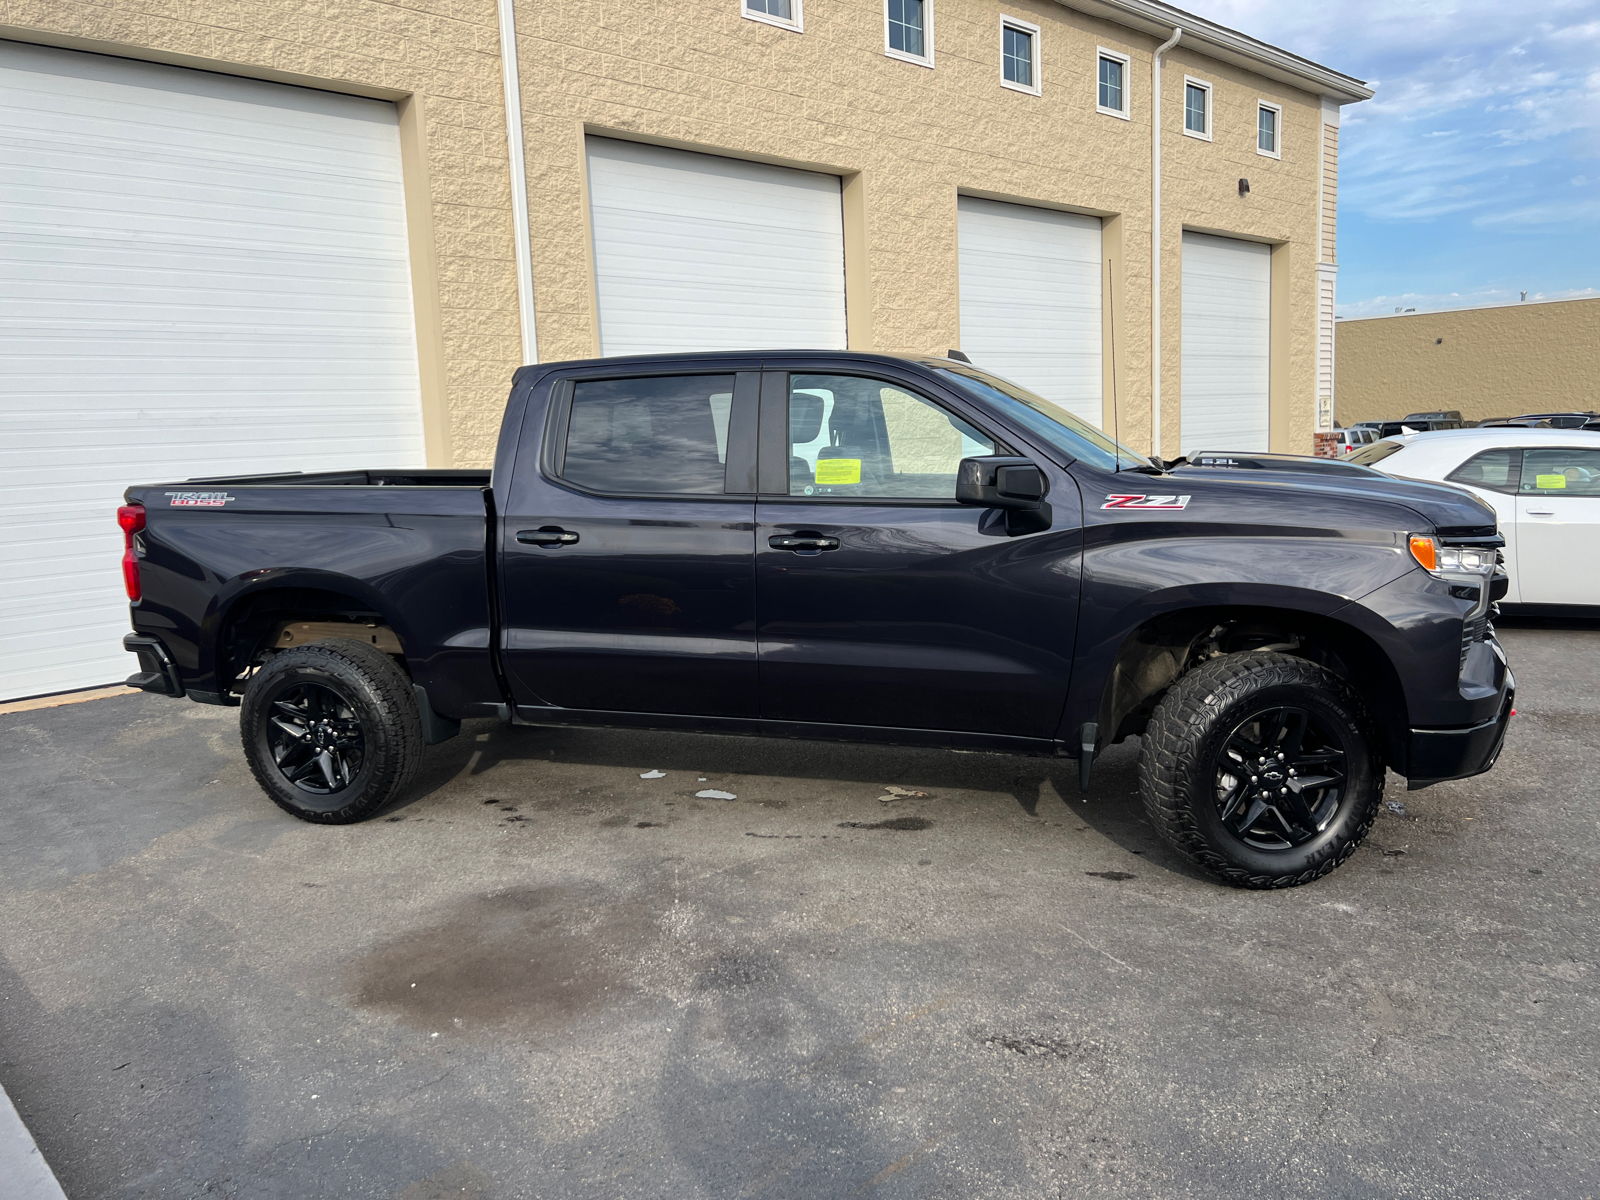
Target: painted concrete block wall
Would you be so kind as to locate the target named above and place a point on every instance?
(1486, 362)
(695, 73)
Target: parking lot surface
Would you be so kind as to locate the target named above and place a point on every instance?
(546, 975)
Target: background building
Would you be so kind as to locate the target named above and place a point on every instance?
(253, 237)
(1500, 361)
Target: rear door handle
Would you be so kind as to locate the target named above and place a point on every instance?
(1540, 512)
(548, 535)
(802, 542)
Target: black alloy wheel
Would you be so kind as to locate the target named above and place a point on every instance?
(1262, 769)
(1279, 777)
(331, 730)
(315, 738)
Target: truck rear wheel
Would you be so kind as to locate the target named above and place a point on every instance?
(1261, 769)
(331, 730)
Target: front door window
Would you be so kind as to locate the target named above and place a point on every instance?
(853, 437)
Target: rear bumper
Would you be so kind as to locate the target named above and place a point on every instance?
(1440, 754)
(157, 672)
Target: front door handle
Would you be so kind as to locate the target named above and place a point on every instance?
(801, 543)
(1540, 512)
(548, 535)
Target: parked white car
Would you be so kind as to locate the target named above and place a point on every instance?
(1544, 485)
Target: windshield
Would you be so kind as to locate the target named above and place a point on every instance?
(1050, 422)
(1376, 452)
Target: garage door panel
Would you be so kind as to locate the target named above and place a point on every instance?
(1227, 344)
(1031, 299)
(198, 275)
(697, 252)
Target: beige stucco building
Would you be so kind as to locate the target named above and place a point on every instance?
(906, 139)
(248, 236)
(1498, 361)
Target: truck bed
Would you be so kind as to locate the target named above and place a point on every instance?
(224, 556)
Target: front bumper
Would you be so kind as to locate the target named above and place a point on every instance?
(1436, 755)
(157, 672)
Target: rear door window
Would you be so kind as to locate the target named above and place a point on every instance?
(658, 435)
(850, 436)
(1561, 472)
(1496, 470)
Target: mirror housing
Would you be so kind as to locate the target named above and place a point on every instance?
(1014, 485)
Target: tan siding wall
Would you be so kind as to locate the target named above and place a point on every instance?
(1493, 362)
(696, 73)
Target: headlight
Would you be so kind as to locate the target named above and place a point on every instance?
(1452, 560)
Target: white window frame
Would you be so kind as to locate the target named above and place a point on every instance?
(1126, 111)
(1277, 140)
(927, 37)
(1211, 112)
(1032, 30)
(795, 25)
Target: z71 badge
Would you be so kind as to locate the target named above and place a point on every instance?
(198, 499)
(1146, 502)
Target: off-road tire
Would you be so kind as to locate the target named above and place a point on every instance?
(1191, 724)
(379, 695)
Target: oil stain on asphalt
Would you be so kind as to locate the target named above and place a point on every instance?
(525, 959)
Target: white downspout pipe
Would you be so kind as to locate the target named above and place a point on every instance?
(519, 181)
(1155, 242)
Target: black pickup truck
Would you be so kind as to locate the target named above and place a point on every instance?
(843, 546)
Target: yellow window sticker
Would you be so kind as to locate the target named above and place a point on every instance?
(846, 470)
(1550, 482)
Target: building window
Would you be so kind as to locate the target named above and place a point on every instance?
(1269, 129)
(908, 30)
(1112, 98)
(1197, 108)
(786, 14)
(1019, 55)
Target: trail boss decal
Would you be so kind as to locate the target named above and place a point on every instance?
(1146, 502)
(198, 499)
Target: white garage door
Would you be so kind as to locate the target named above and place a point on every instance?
(198, 275)
(1227, 343)
(697, 252)
(1030, 299)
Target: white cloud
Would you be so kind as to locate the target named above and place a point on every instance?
(1483, 104)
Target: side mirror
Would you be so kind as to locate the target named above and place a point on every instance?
(1014, 485)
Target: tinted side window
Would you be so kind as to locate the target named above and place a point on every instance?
(850, 436)
(1495, 470)
(1561, 472)
(638, 436)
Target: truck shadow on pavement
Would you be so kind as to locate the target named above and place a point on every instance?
(1044, 790)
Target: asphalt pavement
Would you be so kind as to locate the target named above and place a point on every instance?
(546, 974)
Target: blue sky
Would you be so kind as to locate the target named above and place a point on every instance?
(1474, 175)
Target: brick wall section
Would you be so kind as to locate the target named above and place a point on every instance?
(444, 52)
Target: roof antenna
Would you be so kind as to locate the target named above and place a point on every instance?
(1116, 416)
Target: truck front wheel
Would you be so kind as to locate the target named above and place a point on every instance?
(1261, 769)
(331, 730)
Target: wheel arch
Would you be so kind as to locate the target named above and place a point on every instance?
(245, 616)
(1163, 648)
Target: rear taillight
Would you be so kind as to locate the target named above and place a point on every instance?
(131, 518)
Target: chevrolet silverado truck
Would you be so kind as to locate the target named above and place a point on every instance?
(858, 547)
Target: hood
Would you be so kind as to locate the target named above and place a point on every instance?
(1342, 499)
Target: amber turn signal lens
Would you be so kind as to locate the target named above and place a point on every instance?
(1426, 551)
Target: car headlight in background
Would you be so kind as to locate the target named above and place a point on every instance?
(1452, 560)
